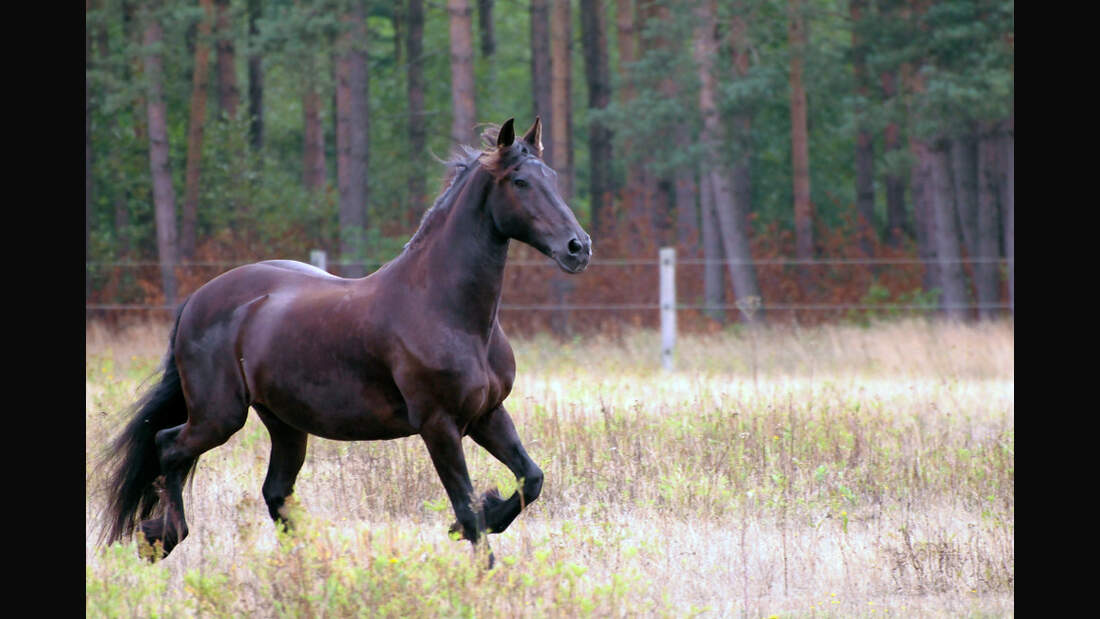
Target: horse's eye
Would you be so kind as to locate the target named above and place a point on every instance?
(520, 183)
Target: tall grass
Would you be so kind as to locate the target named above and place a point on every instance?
(839, 471)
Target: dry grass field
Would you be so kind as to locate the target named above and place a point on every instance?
(838, 471)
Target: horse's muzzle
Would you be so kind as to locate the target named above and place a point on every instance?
(577, 254)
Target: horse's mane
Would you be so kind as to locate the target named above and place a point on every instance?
(463, 161)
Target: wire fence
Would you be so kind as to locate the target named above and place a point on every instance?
(102, 305)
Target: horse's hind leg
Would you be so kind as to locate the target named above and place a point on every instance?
(497, 434)
(170, 528)
(210, 423)
(288, 452)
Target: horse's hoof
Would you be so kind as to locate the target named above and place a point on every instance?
(490, 501)
(155, 542)
(150, 547)
(457, 528)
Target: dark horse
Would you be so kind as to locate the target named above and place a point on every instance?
(413, 348)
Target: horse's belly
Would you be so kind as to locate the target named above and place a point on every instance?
(365, 425)
(341, 410)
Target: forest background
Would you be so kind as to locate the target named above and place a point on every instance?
(809, 160)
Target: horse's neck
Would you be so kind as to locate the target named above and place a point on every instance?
(462, 258)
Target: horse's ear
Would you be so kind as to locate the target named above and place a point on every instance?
(507, 133)
(534, 136)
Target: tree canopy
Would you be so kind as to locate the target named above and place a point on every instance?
(913, 69)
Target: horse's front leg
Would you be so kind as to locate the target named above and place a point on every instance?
(444, 443)
(497, 434)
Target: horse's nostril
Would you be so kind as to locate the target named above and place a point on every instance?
(575, 246)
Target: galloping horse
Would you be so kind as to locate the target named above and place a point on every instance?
(413, 348)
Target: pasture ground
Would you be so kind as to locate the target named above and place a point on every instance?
(835, 471)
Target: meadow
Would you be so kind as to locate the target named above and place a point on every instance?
(847, 471)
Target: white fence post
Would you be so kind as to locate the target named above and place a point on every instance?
(667, 259)
(318, 259)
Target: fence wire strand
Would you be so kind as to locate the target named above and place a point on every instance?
(652, 306)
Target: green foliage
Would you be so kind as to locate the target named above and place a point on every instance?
(125, 585)
(912, 303)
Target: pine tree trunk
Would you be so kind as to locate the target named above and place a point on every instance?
(164, 197)
(122, 207)
(985, 270)
(800, 153)
(741, 121)
(129, 16)
(597, 74)
(634, 196)
(921, 181)
(964, 175)
(714, 175)
(228, 95)
(948, 251)
(561, 94)
(131, 70)
(352, 130)
(464, 116)
(486, 37)
(200, 77)
(314, 168)
(865, 190)
(488, 44)
(1008, 205)
(865, 156)
(742, 180)
(314, 165)
(897, 220)
(627, 42)
(417, 133)
(714, 292)
(735, 247)
(686, 204)
(560, 152)
(255, 79)
(541, 79)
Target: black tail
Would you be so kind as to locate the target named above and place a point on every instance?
(135, 466)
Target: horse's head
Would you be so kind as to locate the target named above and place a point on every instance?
(525, 204)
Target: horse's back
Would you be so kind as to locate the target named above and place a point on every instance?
(223, 304)
(268, 277)
(301, 267)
